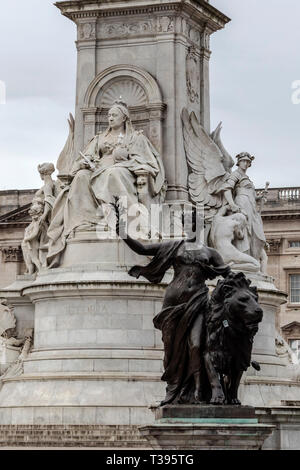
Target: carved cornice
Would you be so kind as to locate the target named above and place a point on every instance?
(18, 218)
(15, 215)
(199, 9)
(281, 216)
(12, 254)
(196, 33)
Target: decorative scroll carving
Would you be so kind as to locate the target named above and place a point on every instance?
(125, 29)
(87, 31)
(205, 40)
(194, 35)
(155, 136)
(193, 76)
(191, 32)
(165, 24)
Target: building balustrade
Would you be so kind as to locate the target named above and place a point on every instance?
(289, 194)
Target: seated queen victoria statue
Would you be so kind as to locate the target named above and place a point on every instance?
(104, 173)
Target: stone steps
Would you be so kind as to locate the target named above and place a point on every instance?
(71, 436)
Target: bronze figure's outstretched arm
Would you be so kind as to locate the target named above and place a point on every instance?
(140, 248)
(217, 261)
(135, 245)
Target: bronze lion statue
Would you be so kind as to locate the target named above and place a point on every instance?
(231, 324)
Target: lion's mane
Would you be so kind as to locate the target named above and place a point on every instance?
(227, 344)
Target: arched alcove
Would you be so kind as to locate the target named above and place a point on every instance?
(140, 91)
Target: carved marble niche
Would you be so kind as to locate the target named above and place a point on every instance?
(138, 89)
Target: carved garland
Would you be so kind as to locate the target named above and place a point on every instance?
(162, 24)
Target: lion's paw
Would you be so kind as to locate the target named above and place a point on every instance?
(235, 401)
(217, 400)
(197, 397)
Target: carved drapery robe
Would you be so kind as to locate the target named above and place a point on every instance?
(79, 205)
(244, 196)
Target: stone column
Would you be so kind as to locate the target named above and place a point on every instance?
(204, 83)
(86, 71)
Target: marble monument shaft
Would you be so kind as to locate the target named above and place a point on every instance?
(155, 54)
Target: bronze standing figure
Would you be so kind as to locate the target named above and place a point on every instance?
(182, 318)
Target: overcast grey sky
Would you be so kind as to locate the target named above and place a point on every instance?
(255, 60)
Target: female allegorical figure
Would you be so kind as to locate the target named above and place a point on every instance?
(182, 319)
(104, 173)
(239, 191)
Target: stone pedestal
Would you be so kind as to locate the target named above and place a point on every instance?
(96, 357)
(278, 379)
(286, 422)
(192, 427)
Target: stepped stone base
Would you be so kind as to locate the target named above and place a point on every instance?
(286, 434)
(107, 437)
(198, 413)
(206, 427)
(206, 436)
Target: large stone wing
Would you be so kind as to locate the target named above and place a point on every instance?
(227, 159)
(65, 160)
(205, 161)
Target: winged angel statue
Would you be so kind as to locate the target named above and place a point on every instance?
(233, 223)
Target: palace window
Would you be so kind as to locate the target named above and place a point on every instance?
(294, 244)
(295, 347)
(295, 288)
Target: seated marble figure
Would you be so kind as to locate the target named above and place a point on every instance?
(104, 173)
